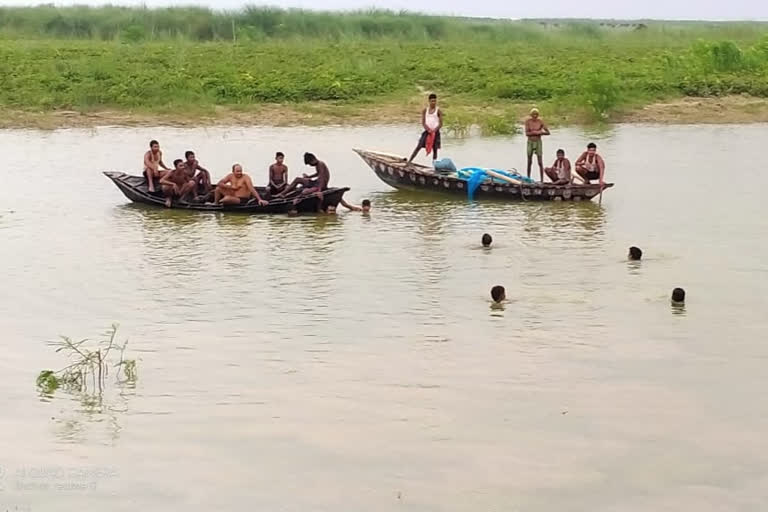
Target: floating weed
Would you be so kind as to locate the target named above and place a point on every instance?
(88, 374)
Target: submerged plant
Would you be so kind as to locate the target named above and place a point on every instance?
(90, 369)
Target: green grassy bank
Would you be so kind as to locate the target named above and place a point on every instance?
(191, 60)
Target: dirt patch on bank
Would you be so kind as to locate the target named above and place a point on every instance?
(731, 109)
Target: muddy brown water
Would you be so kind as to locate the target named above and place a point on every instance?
(353, 362)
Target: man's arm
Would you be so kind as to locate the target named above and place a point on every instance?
(223, 181)
(147, 160)
(440, 117)
(271, 181)
(529, 132)
(199, 167)
(544, 130)
(165, 180)
(162, 164)
(350, 207)
(424, 119)
(285, 174)
(253, 191)
(567, 168)
(582, 158)
(601, 168)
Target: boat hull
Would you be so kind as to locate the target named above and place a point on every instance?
(398, 173)
(135, 189)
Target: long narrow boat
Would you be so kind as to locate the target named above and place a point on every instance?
(135, 189)
(396, 172)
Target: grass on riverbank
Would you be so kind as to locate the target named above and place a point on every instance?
(486, 72)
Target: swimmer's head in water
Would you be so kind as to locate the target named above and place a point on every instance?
(178, 164)
(487, 240)
(678, 295)
(366, 205)
(498, 294)
(635, 254)
(237, 170)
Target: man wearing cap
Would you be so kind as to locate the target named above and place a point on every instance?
(534, 129)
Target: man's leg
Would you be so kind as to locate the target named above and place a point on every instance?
(168, 193)
(295, 183)
(230, 200)
(204, 182)
(415, 152)
(434, 154)
(530, 161)
(541, 165)
(150, 175)
(582, 172)
(551, 174)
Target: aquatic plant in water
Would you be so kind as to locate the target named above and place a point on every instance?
(92, 363)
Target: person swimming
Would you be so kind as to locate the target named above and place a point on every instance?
(498, 294)
(635, 253)
(487, 240)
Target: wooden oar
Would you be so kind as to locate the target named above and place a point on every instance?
(502, 177)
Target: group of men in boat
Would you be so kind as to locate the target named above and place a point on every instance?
(189, 181)
(589, 166)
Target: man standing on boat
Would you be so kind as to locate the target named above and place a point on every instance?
(153, 160)
(591, 166)
(431, 121)
(534, 130)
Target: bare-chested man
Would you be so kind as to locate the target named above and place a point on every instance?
(177, 184)
(534, 130)
(198, 173)
(431, 121)
(315, 184)
(278, 175)
(237, 188)
(153, 160)
(560, 172)
(590, 165)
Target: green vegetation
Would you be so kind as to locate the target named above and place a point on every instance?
(87, 375)
(488, 72)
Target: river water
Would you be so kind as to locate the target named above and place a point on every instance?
(350, 362)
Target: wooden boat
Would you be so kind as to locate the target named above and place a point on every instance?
(396, 172)
(135, 189)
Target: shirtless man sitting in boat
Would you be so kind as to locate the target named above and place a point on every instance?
(237, 188)
(278, 175)
(590, 165)
(198, 173)
(560, 172)
(153, 160)
(315, 184)
(176, 184)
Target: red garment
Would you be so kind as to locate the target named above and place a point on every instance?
(430, 142)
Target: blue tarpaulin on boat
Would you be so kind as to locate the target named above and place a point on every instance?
(475, 176)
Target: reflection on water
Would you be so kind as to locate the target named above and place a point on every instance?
(291, 342)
